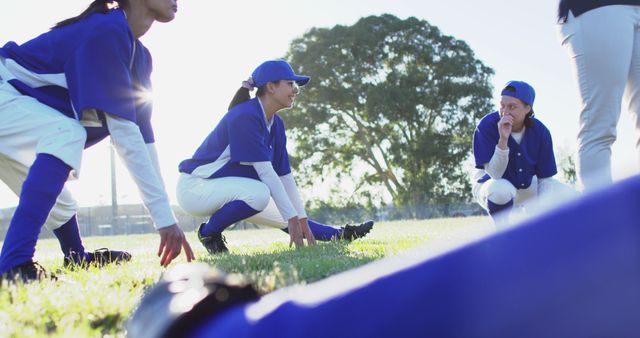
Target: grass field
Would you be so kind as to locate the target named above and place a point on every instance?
(97, 302)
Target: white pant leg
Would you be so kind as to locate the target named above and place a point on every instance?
(551, 194)
(554, 189)
(600, 46)
(497, 191)
(203, 197)
(65, 207)
(28, 127)
(632, 92)
(13, 174)
(269, 217)
(524, 196)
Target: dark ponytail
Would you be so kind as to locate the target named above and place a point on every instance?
(97, 6)
(528, 120)
(242, 95)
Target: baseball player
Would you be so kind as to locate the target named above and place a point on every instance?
(241, 171)
(603, 43)
(513, 153)
(86, 72)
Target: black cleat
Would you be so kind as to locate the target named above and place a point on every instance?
(28, 272)
(214, 243)
(351, 232)
(98, 258)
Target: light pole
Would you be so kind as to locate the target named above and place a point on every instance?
(114, 193)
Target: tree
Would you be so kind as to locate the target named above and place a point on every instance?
(392, 103)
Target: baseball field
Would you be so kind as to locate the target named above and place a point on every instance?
(98, 302)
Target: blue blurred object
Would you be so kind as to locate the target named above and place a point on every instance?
(573, 272)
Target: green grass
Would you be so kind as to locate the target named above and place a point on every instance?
(97, 302)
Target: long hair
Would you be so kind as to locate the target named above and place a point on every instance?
(97, 6)
(244, 94)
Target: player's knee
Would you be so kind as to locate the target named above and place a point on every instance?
(259, 198)
(69, 133)
(65, 141)
(500, 191)
(77, 134)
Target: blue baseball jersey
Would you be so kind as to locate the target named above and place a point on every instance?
(241, 136)
(533, 156)
(93, 64)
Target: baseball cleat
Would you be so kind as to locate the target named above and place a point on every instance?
(98, 258)
(214, 243)
(351, 232)
(28, 272)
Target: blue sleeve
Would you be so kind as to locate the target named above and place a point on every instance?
(141, 78)
(281, 156)
(143, 120)
(484, 142)
(247, 140)
(546, 166)
(98, 74)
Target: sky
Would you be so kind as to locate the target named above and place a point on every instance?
(202, 56)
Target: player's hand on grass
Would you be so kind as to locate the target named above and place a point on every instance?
(306, 231)
(295, 232)
(172, 241)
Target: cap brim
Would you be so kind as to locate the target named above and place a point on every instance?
(301, 80)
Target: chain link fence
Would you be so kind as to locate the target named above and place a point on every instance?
(134, 219)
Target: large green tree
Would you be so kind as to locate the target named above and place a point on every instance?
(392, 103)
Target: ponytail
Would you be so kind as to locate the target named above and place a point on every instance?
(97, 6)
(528, 120)
(242, 95)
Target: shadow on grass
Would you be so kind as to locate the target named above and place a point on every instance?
(281, 266)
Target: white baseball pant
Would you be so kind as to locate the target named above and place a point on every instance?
(604, 49)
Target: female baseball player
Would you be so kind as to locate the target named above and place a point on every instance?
(87, 71)
(513, 153)
(241, 171)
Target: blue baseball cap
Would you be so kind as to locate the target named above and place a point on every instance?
(520, 90)
(276, 70)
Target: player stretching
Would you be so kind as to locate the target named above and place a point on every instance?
(241, 171)
(87, 71)
(513, 153)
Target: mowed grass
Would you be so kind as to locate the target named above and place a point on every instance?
(97, 302)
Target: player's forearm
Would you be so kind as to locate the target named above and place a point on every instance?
(153, 154)
(291, 188)
(498, 163)
(503, 143)
(269, 177)
(132, 149)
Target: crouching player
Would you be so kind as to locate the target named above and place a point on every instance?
(513, 153)
(242, 172)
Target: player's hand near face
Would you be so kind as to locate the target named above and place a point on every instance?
(306, 231)
(172, 241)
(504, 129)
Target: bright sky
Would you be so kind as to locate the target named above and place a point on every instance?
(201, 58)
